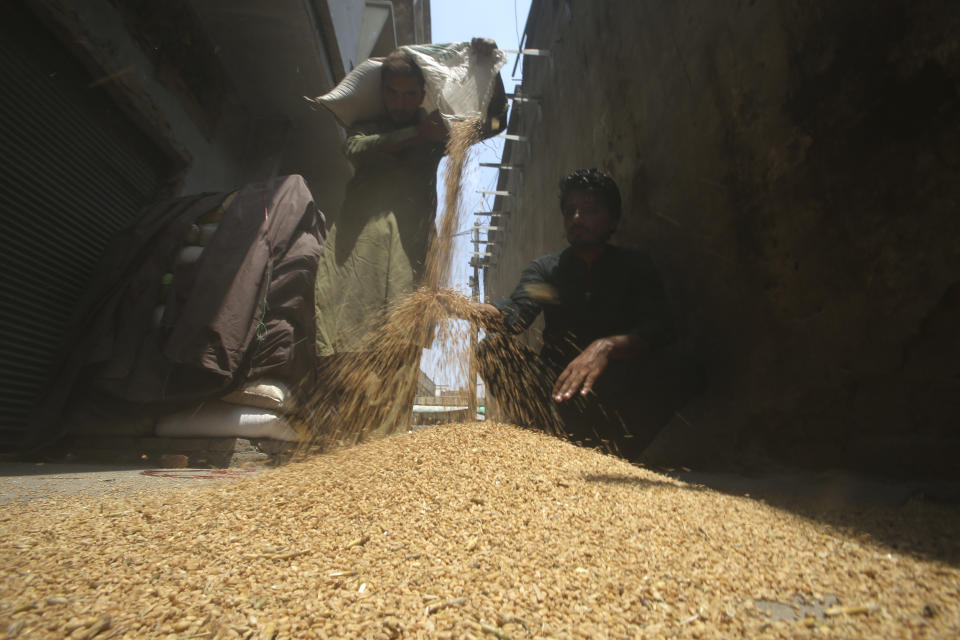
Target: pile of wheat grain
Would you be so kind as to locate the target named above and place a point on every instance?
(476, 530)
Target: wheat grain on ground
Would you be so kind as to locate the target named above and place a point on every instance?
(476, 530)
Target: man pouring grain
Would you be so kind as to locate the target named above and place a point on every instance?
(376, 250)
(607, 365)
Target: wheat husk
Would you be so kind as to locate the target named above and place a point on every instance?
(462, 531)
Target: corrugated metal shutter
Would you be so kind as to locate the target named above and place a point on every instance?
(73, 171)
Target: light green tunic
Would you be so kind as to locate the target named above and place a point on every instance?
(375, 252)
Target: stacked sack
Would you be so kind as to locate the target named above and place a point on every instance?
(259, 409)
(256, 410)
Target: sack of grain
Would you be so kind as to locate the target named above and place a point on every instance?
(201, 234)
(268, 394)
(189, 254)
(223, 420)
(458, 83)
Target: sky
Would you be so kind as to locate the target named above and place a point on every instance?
(461, 20)
(458, 21)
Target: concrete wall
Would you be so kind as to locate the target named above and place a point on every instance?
(791, 167)
(413, 21)
(266, 58)
(96, 31)
(347, 18)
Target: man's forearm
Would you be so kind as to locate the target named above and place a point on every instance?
(580, 375)
(357, 146)
(622, 347)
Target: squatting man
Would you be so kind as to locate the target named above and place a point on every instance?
(609, 373)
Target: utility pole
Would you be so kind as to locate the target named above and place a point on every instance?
(475, 296)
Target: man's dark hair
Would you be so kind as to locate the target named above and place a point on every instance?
(597, 181)
(400, 63)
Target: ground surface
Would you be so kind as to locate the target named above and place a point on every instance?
(472, 530)
(29, 481)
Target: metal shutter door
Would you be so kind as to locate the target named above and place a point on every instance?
(73, 171)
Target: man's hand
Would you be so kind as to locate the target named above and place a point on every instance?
(483, 46)
(432, 128)
(488, 316)
(583, 370)
(482, 313)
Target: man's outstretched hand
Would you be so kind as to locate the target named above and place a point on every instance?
(483, 46)
(583, 370)
(484, 314)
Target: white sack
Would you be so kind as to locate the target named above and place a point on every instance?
(158, 312)
(458, 83)
(201, 234)
(222, 420)
(458, 80)
(189, 254)
(265, 394)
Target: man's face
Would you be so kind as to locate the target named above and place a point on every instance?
(586, 219)
(402, 95)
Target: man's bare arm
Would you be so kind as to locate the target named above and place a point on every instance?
(583, 371)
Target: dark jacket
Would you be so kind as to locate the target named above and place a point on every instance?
(621, 293)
